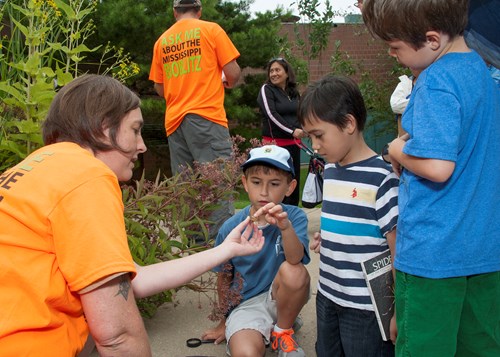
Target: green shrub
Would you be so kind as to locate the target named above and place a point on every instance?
(153, 110)
(43, 49)
(163, 217)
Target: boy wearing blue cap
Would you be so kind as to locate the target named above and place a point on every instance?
(274, 284)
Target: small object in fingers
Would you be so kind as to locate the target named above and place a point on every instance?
(196, 342)
(255, 220)
(262, 226)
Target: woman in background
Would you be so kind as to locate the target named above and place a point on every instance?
(278, 101)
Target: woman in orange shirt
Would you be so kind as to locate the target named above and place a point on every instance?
(66, 268)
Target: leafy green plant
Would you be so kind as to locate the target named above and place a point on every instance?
(318, 28)
(165, 218)
(246, 116)
(153, 110)
(44, 48)
(311, 37)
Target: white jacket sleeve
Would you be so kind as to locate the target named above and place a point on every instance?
(401, 95)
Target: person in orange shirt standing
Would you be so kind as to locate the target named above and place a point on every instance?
(192, 63)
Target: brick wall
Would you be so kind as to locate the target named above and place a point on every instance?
(366, 54)
(355, 40)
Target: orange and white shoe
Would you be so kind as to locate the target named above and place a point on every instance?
(284, 343)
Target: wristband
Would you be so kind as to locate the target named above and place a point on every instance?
(385, 152)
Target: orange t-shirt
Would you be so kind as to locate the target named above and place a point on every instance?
(188, 59)
(61, 229)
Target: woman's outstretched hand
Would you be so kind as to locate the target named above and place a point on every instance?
(244, 239)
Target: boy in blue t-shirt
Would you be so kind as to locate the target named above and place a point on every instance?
(274, 283)
(448, 241)
(358, 218)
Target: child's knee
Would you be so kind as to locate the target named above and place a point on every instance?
(294, 276)
(247, 343)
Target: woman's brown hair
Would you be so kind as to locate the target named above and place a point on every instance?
(84, 108)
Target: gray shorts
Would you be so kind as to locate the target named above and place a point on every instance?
(258, 313)
(198, 139)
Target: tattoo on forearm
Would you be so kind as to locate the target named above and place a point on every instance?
(123, 287)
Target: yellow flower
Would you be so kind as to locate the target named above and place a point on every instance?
(52, 4)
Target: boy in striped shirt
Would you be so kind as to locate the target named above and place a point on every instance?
(358, 218)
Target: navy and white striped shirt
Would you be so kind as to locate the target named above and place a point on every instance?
(360, 206)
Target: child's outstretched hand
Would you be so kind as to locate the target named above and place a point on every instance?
(315, 242)
(244, 239)
(275, 215)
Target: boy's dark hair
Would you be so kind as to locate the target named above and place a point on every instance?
(291, 82)
(185, 6)
(185, 10)
(83, 108)
(409, 20)
(331, 99)
(266, 169)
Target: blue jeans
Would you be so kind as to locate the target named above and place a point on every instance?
(348, 332)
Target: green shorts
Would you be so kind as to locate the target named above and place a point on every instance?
(448, 317)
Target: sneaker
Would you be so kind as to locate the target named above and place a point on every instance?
(297, 324)
(283, 343)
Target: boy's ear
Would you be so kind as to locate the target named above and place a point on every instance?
(244, 182)
(351, 124)
(291, 187)
(433, 40)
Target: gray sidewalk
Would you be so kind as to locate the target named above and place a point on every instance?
(172, 325)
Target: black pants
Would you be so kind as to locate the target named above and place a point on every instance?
(294, 198)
